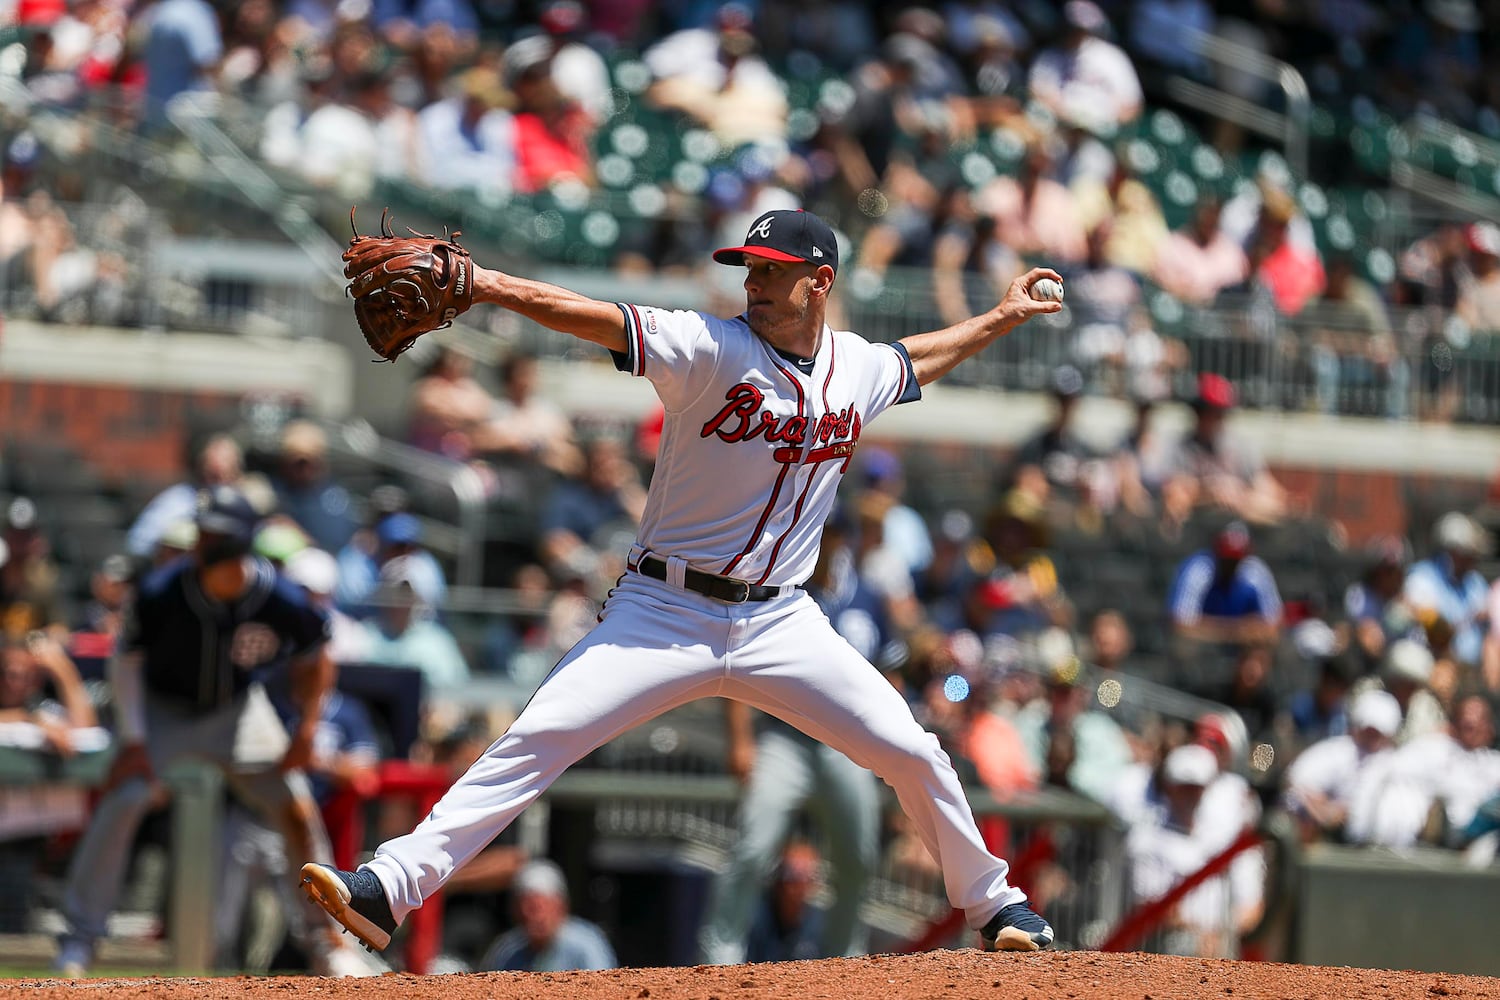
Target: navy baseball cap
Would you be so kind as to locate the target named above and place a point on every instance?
(399, 529)
(787, 235)
(223, 510)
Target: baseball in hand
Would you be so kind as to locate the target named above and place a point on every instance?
(1047, 290)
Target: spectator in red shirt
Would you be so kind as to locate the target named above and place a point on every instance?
(1198, 261)
(551, 132)
(1292, 273)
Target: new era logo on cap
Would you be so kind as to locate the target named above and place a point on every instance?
(787, 235)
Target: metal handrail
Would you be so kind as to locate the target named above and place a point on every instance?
(359, 439)
(1290, 127)
(198, 122)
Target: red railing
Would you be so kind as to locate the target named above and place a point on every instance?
(344, 815)
(996, 832)
(1149, 915)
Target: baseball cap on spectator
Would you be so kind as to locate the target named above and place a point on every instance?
(1190, 764)
(881, 466)
(399, 529)
(542, 877)
(561, 17)
(40, 13)
(20, 516)
(1377, 710)
(115, 568)
(180, 535)
(1408, 660)
(1067, 382)
(989, 31)
(223, 510)
(1314, 639)
(23, 151)
(787, 235)
(313, 569)
(906, 49)
(726, 189)
(1085, 16)
(1232, 541)
(279, 541)
(485, 86)
(1457, 532)
(1484, 238)
(734, 17)
(1056, 655)
(1221, 732)
(956, 525)
(1215, 392)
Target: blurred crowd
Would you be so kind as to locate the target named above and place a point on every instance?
(1031, 635)
(1020, 632)
(496, 99)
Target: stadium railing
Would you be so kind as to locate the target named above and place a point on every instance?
(196, 818)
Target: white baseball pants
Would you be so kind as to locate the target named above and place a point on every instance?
(659, 647)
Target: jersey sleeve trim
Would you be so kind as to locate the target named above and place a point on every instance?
(633, 359)
(909, 390)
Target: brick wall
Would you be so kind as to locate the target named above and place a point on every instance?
(126, 433)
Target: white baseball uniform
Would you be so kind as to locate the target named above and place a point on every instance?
(752, 451)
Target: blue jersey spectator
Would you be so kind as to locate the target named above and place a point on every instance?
(343, 742)
(609, 495)
(1225, 594)
(404, 634)
(546, 937)
(788, 928)
(1322, 711)
(1448, 586)
(183, 43)
(396, 535)
(1374, 607)
(304, 491)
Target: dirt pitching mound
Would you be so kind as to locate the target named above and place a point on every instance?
(939, 974)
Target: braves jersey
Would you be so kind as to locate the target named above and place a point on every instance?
(754, 444)
(201, 652)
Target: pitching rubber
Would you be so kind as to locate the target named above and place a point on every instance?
(329, 891)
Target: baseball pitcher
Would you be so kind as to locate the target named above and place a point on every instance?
(763, 414)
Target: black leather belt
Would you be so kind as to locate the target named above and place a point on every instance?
(720, 588)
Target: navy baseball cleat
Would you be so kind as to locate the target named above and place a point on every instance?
(355, 899)
(1016, 927)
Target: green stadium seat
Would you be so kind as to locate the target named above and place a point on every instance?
(1167, 129)
(1312, 200)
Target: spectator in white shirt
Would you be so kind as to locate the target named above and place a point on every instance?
(1086, 80)
(471, 135)
(1406, 672)
(1163, 848)
(1431, 787)
(1320, 783)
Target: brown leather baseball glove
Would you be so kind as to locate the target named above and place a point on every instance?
(405, 286)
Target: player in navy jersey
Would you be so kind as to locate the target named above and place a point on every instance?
(187, 681)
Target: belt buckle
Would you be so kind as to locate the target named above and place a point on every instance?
(741, 587)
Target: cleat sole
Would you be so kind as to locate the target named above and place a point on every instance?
(327, 890)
